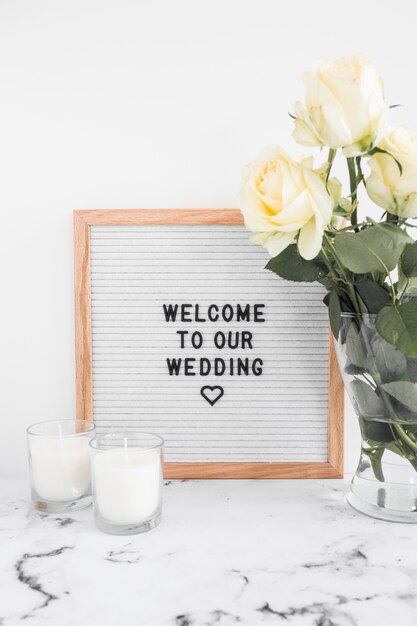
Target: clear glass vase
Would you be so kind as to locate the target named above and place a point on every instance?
(382, 385)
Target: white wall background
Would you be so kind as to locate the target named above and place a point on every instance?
(145, 103)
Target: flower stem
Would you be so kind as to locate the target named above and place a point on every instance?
(411, 444)
(327, 263)
(330, 159)
(361, 177)
(350, 287)
(353, 189)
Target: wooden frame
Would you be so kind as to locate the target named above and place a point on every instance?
(83, 219)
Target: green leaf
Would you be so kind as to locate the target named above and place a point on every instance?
(407, 287)
(376, 432)
(291, 266)
(354, 370)
(408, 260)
(392, 229)
(390, 363)
(374, 296)
(411, 371)
(398, 326)
(335, 311)
(355, 352)
(412, 288)
(366, 401)
(373, 249)
(404, 392)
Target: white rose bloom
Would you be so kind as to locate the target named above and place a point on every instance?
(282, 198)
(344, 106)
(392, 190)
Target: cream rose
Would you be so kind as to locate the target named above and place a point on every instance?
(344, 106)
(387, 186)
(281, 199)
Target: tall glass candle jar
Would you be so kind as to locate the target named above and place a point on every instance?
(127, 475)
(59, 464)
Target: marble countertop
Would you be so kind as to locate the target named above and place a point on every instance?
(227, 552)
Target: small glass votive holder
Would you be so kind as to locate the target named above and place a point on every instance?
(127, 477)
(59, 464)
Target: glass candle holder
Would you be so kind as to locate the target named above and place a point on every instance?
(127, 476)
(59, 464)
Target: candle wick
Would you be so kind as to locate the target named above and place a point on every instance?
(125, 449)
(61, 440)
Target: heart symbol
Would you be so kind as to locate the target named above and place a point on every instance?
(212, 394)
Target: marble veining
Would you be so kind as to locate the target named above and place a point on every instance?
(227, 552)
(33, 581)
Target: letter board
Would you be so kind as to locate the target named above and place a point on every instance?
(181, 331)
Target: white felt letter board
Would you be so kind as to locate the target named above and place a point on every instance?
(181, 331)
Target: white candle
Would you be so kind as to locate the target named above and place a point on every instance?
(127, 484)
(60, 467)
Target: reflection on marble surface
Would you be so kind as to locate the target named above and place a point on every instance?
(227, 552)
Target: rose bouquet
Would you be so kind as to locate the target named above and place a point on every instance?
(314, 232)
